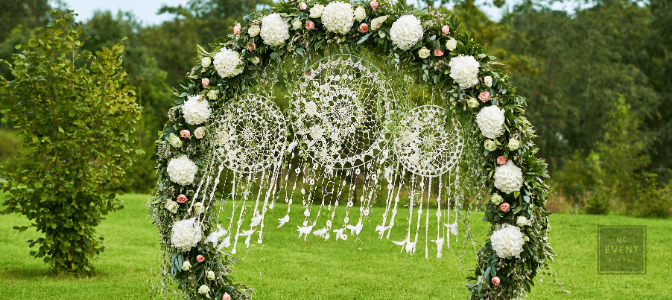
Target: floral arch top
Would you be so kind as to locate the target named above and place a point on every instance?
(321, 102)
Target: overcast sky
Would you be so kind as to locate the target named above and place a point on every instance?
(145, 10)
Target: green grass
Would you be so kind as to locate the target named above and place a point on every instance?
(288, 268)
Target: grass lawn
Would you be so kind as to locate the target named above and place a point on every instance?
(288, 268)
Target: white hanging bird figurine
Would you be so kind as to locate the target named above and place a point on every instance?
(225, 243)
(452, 227)
(305, 230)
(256, 220)
(215, 236)
(321, 232)
(340, 234)
(284, 220)
(439, 247)
(401, 243)
(381, 230)
(248, 234)
(356, 229)
(410, 248)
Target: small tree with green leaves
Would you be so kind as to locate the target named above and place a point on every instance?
(76, 113)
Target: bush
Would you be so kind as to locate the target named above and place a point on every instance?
(653, 202)
(75, 113)
(596, 204)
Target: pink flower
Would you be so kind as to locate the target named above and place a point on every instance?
(181, 199)
(363, 28)
(252, 47)
(226, 297)
(236, 29)
(445, 29)
(438, 52)
(501, 160)
(185, 133)
(495, 280)
(505, 207)
(484, 96)
(302, 6)
(200, 258)
(205, 82)
(374, 4)
(310, 25)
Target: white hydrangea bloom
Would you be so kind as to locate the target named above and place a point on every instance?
(228, 63)
(196, 110)
(360, 13)
(507, 241)
(406, 32)
(377, 22)
(464, 70)
(182, 170)
(186, 234)
(508, 178)
(490, 121)
(274, 30)
(338, 17)
(316, 11)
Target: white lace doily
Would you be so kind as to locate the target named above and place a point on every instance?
(426, 145)
(342, 111)
(250, 135)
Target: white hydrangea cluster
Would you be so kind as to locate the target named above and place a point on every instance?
(338, 17)
(508, 178)
(274, 30)
(196, 110)
(508, 241)
(182, 170)
(228, 63)
(464, 70)
(490, 121)
(406, 32)
(186, 234)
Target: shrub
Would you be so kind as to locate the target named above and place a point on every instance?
(653, 202)
(75, 113)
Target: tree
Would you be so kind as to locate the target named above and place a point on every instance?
(25, 13)
(76, 113)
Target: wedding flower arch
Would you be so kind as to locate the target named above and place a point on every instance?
(349, 124)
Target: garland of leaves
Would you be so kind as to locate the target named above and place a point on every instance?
(495, 277)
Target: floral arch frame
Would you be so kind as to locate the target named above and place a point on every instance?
(469, 88)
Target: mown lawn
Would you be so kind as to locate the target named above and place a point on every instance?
(288, 268)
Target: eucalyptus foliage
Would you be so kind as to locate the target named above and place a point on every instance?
(76, 113)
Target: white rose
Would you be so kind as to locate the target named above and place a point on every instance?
(212, 95)
(377, 22)
(196, 110)
(451, 44)
(204, 289)
(507, 241)
(508, 178)
(182, 170)
(198, 207)
(490, 121)
(206, 61)
(274, 30)
(338, 17)
(514, 144)
(496, 199)
(174, 140)
(228, 63)
(254, 30)
(199, 133)
(490, 145)
(296, 24)
(488, 81)
(423, 53)
(210, 275)
(522, 221)
(464, 70)
(316, 11)
(255, 60)
(186, 234)
(406, 32)
(171, 206)
(472, 102)
(186, 265)
(360, 14)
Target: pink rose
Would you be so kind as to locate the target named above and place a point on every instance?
(205, 82)
(374, 4)
(226, 297)
(484, 96)
(185, 133)
(438, 52)
(505, 207)
(181, 199)
(200, 258)
(445, 29)
(363, 28)
(302, 6)
(310, 25)
(501, 160)
(236, 29)
(252, 47)
(495, 280)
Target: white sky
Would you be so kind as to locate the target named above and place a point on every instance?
(145, 10)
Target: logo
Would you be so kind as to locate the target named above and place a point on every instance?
(621, 250)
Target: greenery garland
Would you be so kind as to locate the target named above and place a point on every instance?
(495, 277)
